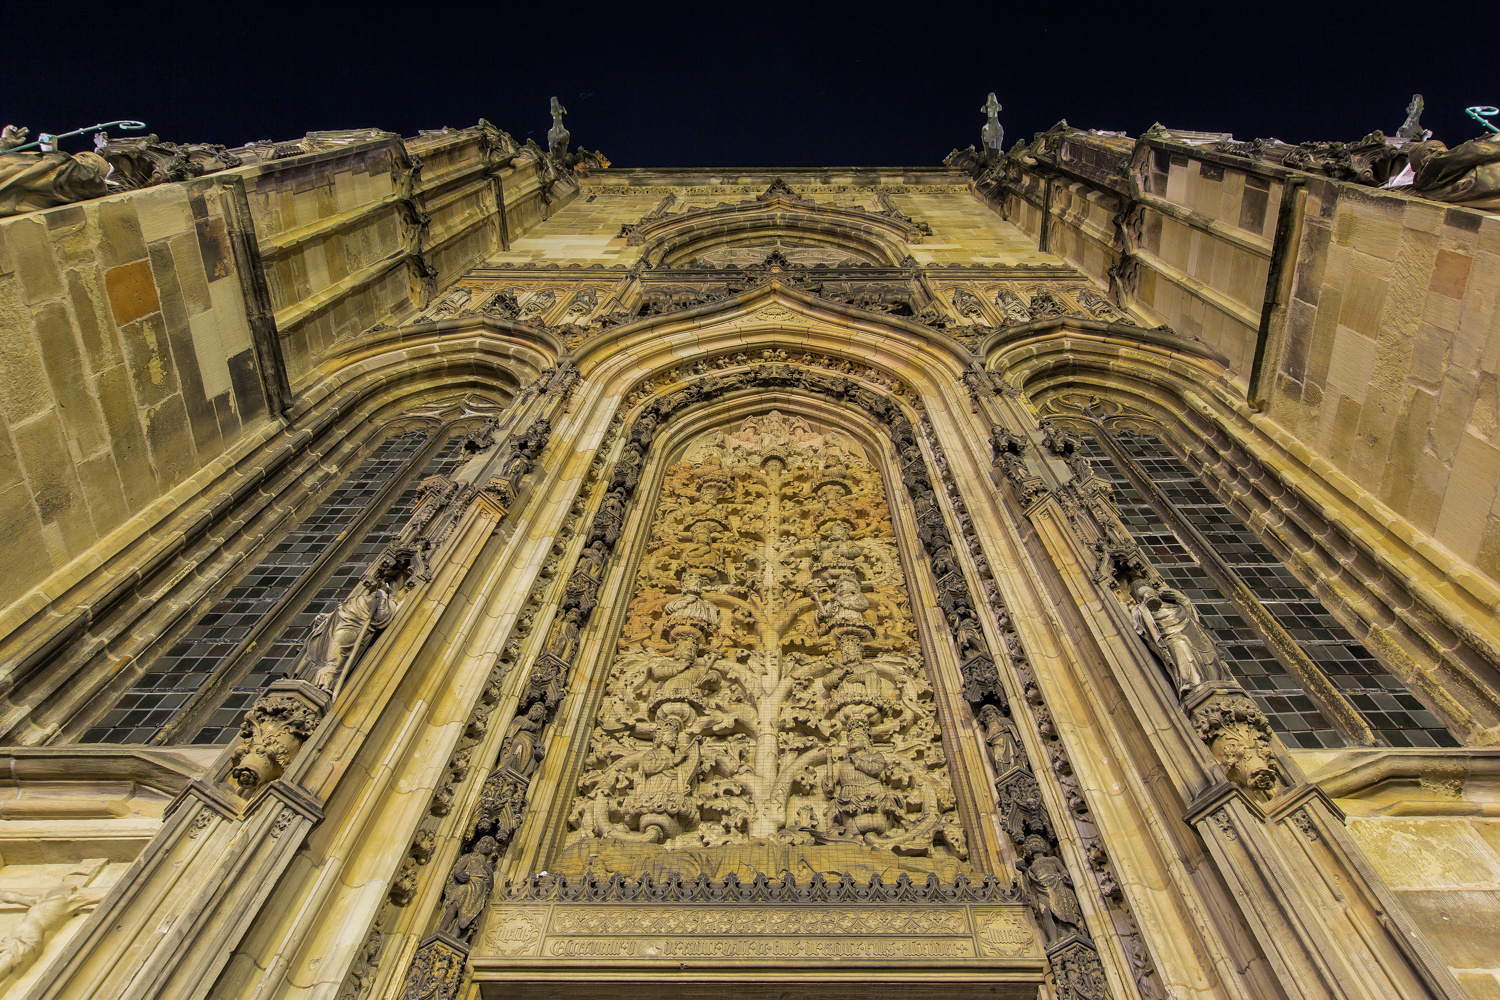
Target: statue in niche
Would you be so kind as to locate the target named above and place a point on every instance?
(339, 636)
(581, 308)
(583, 585)
(45, 914)
(662, 804)
(864, 797)
(1003, 738)
(1168, 622)
(467, 891)
(1016, 309)
(1051, 887)
(563, 642)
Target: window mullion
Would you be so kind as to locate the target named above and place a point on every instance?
(1337, 708)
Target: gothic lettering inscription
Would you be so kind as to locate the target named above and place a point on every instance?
(768, 687)
(582, 931)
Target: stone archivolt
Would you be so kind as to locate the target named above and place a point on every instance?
(767, 687)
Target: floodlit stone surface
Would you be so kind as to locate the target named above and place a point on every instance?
(441, 567)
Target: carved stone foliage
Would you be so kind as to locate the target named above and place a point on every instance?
(590, 887)
(768, 684)
(271, 734)
(1239, 736)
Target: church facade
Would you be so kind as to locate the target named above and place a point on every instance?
(445, 568)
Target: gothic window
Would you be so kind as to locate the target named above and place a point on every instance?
(1317, 683)
(197, 691)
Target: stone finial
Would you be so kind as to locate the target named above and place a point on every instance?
(1412, 127)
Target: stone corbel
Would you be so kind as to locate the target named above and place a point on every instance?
(274, 730)
(1239, 736)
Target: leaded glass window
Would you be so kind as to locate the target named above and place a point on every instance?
(1201, 547)
(198, 690)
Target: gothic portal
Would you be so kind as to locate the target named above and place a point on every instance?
(443, 568)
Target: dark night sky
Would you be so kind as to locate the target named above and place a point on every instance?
(770, 84)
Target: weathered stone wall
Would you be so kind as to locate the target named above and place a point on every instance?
(1195, 239)
(1383, 358)
(365, 234)
(1429, 825)
(126, 327)
(1390, 363)
(128, 367)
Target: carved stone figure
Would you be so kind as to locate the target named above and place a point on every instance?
(863, 797)
(992, 136)
(1169, 623)
(467, 891)
(562, 643)
(339, 637)
(30, 181)
(968, 305)
(1003, 738)
(583, 585)
(1055, 902)
(610, 518)
(663, 802)
(45, 914)
(558, 135)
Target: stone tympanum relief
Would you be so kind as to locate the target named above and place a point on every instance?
(768, 688)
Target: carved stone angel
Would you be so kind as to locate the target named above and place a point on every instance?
(1169, 623)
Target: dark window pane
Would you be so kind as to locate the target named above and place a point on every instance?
(187, 665)
(1340, 655)
(283, 650)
